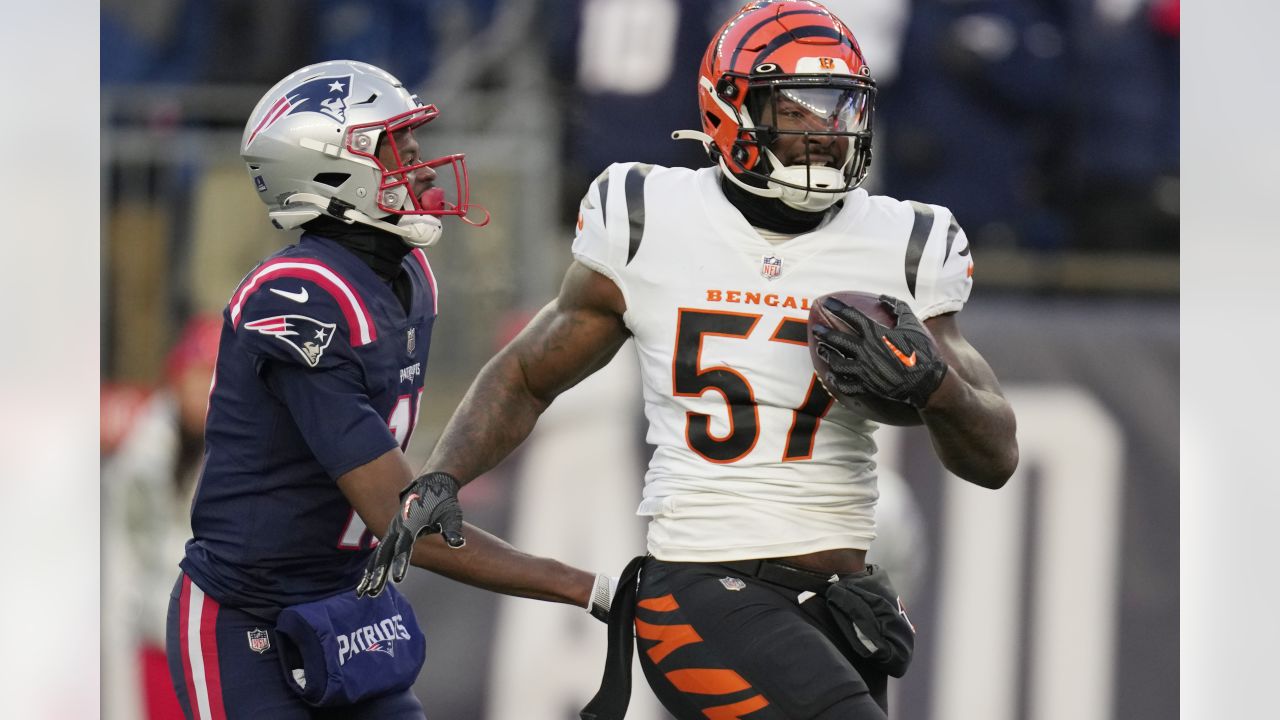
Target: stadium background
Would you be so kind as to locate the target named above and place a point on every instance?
(1060, 591)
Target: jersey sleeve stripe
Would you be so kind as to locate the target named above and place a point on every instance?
(603, 183)
(352, 305)
(920, 227)
(421, 257)
(634, 187)
(952, 231)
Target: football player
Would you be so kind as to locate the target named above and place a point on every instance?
(755, 599)
(317, 387)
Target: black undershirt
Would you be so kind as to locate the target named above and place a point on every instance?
(380, 250)
(771, 213)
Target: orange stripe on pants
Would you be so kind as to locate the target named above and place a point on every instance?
(666, 603)
(707, 681)
(736, 710)
(670, 638)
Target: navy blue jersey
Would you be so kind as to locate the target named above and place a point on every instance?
(319, 371)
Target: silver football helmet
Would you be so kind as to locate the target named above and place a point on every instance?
(312, 146)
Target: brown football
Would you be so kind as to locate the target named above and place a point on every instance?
(873, 407)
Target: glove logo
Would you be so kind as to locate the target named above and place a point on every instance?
(407, 502)
(902, 610)
(909, 361)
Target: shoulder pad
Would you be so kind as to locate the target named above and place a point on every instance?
(938, 266)
(611, 218)
(302, 287)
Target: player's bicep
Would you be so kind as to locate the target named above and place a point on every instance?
(963, 357)
(573, 336)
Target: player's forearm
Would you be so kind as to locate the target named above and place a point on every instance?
(490, 563)
(973, 432)
(496, 415)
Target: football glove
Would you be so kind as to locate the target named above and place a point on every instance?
(873, 619)
(429, 504)
(900, 363)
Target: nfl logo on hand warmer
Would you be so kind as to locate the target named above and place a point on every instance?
(770, 266)
(259, 641)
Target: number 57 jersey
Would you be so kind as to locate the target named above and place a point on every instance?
(754, 459)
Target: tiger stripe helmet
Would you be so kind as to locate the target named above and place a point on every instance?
(791, 51)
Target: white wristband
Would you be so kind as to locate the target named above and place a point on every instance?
(602, 594)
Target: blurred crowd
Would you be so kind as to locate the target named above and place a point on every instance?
(152, 450)
(1046, 125)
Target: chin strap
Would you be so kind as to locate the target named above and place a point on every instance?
(418, 231)
(804, 200)
(705, 139)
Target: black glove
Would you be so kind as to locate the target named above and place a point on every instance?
(873, 619)
(429, 504)
(900, 363)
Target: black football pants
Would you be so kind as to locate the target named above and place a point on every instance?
(719, 645)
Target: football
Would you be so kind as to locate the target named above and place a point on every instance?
(873, 407)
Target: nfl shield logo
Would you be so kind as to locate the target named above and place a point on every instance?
(413, 338)
(732, 583)
(770, 266)
(258, 641)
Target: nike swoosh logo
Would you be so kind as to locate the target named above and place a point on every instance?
(902, 358)
(300, 296)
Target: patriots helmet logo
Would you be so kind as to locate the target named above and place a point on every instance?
(326, 95)
(384, 646)
(308, 336)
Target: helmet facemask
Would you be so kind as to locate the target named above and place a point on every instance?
(810, 135)
(390, 146)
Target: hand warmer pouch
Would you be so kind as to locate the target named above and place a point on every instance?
(873, 619)
(343, 649)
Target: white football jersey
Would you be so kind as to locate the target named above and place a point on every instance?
(753, 457)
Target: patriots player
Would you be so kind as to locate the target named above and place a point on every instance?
(755, 599)
(318, 384)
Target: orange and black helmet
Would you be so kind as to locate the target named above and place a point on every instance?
(795, 52)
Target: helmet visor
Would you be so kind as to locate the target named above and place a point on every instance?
(815, 110)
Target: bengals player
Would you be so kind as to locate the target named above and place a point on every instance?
(755, 599)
